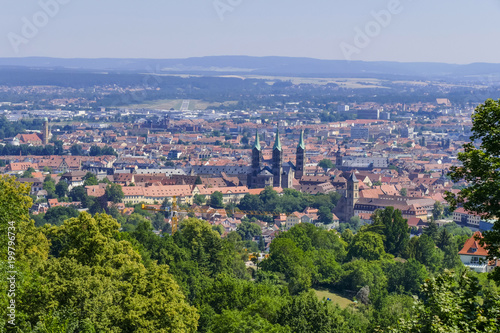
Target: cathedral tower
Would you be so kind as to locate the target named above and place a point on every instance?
(300, 157)
(256, 154)
(277, 161)
(256, 162)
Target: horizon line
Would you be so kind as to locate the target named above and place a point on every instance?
(250, 56)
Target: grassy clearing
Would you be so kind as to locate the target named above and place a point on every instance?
(341, 301)
(353, 83)
(165, 104)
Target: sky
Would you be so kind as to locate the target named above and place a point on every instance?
(451, 31)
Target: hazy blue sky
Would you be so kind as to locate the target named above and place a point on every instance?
(455, 31)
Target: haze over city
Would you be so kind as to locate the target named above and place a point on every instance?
(448, 31)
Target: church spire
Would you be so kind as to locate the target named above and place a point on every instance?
(277, 143)
(257, 141)
(300, 157)
(353, 178)
(301, 141)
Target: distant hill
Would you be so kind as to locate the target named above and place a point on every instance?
(272, 66)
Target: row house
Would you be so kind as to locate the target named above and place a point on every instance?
(133, 194)
(323, 188)
(229, 194)
(370, 205)
(152, 194)
(59, 164)
(16, 168)
(462, 216)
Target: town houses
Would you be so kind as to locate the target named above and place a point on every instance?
(365, 164)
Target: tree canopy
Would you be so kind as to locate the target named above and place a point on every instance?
(325, 164)
(216, 200)
(93, 273)
(454, 303)
(114, 193)
(481, 170)
(390, 224)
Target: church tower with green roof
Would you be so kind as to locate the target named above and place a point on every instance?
(256, 155)
(300, 157)
(277, 160)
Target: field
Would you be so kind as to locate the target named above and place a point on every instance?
(341, 301)
(352, 83)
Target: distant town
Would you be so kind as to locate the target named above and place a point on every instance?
(380, 155)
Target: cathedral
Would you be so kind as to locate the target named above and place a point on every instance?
(279, 174)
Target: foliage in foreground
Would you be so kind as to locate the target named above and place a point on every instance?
(481, 170)
(454, 303)
(85, 276)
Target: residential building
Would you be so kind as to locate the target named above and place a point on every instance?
(360, 132)
(74, 178)
(464, 217)
(474, 255)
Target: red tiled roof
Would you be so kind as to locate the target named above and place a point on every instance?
(365, 216)
(472, 246)
(371, 193)
(167, 191)
(257, 191)
(96, 190)
(223, 190)
(415, 222)
(29, 138)
(132, 190)
(22, 166)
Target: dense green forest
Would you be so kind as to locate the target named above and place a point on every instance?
(85, 275)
